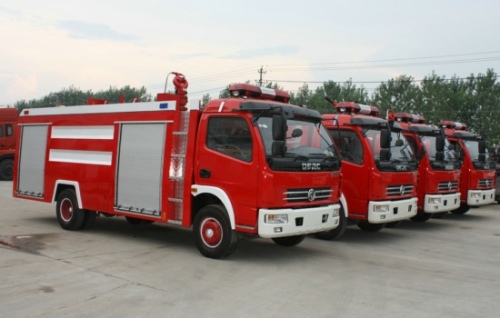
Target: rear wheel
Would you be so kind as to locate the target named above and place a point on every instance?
(421, 217)
(69, 215)
(464, 208)
(90, 217)
(336, 232)
(289, 240)
(6, 169)
(370, 227)
(213, 235)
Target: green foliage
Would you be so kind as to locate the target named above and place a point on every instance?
(474, 100)
(73, 96)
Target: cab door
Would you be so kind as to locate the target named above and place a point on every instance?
(227, 159)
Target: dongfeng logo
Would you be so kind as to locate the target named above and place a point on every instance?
(311, 195)
(311, 166)
(402, 190)
(450, 185)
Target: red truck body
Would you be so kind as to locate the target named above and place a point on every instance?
(379, 182)
(438, 189)
(249, 165)
(8, 129)
(478, 175)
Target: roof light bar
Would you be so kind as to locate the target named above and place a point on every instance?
(350, 107)
(252, 91)
(452, 125)
(410, 118)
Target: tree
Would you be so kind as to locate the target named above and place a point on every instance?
(399, 94)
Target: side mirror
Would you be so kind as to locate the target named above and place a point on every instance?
(279, 127)
(439, 143)
(278, 149)
(482, 146)
(385, 154)
(399, 143)
(385, 139)
(297, 132)
(481, 157)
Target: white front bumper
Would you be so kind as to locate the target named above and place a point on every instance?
(435, 203)
(398, 210)
(480, 197)
(300, 221)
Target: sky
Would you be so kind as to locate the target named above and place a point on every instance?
(52, 45)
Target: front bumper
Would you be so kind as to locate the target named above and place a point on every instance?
(396, 210)
(435, 203)
(300, 221)
(480, 197)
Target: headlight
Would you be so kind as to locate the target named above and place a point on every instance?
(383, 208)
(335, 212)
(475, 195)
(434, 200)
(276, 218)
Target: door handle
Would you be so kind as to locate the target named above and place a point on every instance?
(204, 173)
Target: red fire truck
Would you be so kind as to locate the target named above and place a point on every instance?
(478, 177)
(248, 165)
(379, 169)
(8, 122)
(438, 189)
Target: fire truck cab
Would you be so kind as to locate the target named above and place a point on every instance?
(478, 175)
(249, 165)
(438, 187)
(8, 123)
(379, 169)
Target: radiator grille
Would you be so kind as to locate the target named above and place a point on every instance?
(400, 189)
(307, 194)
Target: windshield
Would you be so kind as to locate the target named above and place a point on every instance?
(400, 148)
(478, 161)
(449, 160)
(429, 143)
(402, 157)
(308, 146)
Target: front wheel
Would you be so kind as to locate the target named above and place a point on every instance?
(370, 227)
(6, 169)
(69, 215)
(213, 235)
(462, 209)
(289, 240)
(421, 217)
(336, 232)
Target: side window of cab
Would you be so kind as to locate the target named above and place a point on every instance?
(1, 131)
(230, 136)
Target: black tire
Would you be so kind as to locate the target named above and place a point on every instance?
(69, 215)
(213, 235)
(337, 232)
(439, 215)
(370, 227)
(289, 240)
(6, 169)
(421, 217)
(497, 198)
(392, 225)
(464, 208)
(90, 217)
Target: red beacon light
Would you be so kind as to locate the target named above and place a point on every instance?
(355, 108)
(452, 125)
(252, 91)
(409, 118)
